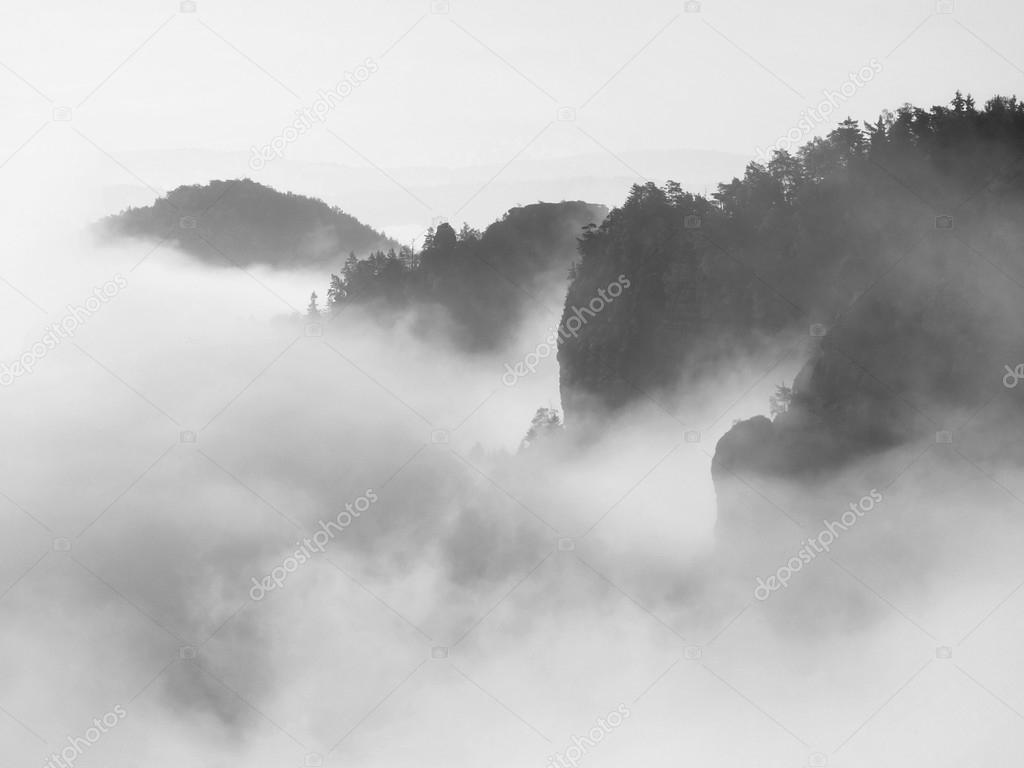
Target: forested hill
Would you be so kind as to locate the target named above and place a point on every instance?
(894, 246)
(473, 287)
(242, 222)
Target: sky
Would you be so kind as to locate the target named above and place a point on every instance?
(504, 89)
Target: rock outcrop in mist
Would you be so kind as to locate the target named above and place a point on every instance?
(892, 250)
(242, 223)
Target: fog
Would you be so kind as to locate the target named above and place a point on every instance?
(491, 603)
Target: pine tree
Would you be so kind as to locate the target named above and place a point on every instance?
(335, 293)
(545, 422)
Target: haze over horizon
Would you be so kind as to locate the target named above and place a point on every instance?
(472, 85)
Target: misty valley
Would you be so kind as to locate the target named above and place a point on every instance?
(723, 475)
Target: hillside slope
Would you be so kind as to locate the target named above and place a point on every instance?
(474, 287)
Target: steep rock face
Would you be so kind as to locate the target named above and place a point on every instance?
(813, 437)
(241, 222)
(675, 313)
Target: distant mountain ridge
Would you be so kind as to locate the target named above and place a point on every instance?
(372, 197)
(243, 223)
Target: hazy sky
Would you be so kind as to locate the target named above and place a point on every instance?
(482, 83)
